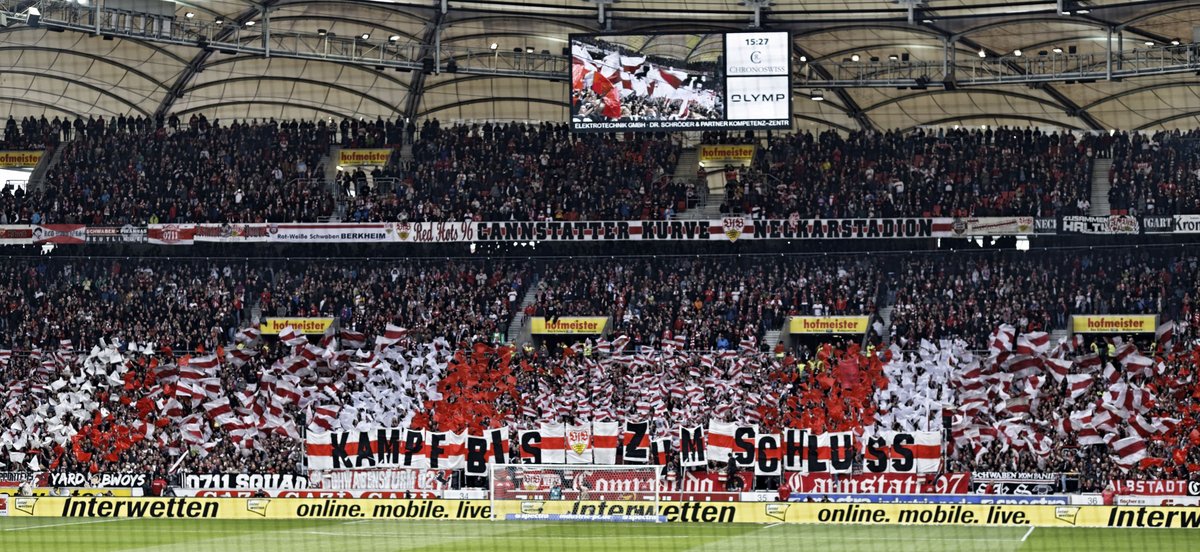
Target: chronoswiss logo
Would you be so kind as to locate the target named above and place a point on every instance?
(756, 57)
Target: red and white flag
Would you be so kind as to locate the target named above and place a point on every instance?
(1129, 451)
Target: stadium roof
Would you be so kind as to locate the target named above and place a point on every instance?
(51, 71)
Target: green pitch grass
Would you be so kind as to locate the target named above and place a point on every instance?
(105, 535)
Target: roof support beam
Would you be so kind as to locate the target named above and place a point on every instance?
(416, 89)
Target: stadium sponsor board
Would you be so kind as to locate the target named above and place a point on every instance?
(677, 512)
(727, 154)
(1187, 224)
(882, 483)
(315, 326)
(1112, 224)
(1156, 487)
(103, 480)
(568, 325)
(374, 156)
(1021, 483)
(928, 498)
(308, 493)
(63, 491)
(993, 226)
(251, 481)
(1114, 323)
(1156, 500)
(19, 159)
(828, 324)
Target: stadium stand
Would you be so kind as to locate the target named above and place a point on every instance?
(1155, 173)
(921, 173)
(177, 329)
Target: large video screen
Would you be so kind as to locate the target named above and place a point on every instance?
(657, 82)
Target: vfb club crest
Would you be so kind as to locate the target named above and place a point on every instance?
(733, 227)
(579, 440)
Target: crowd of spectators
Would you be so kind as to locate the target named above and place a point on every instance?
(31, 133)
(198, 171)
(710, 308)
(119, 170)
(960, 173)
(713, 303)
(967, 296)
(459, 301)
(524, 171)
(1155, 174)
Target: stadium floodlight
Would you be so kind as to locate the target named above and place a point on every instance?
(219, 20)
(803, 59)
(817, 95)
(854, 57)
(529, 49)
(1017, 52)
(1149, 43)
(189, 15)
(493, 46)
(1057, 50)
(250, 23)
(321, 32)
(394, 38)
(365, 36)
(35, 17)
(894, 57)
(1175, 42)
(982, 53)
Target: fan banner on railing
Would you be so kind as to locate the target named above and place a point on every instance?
(730, 228)
(556, 443)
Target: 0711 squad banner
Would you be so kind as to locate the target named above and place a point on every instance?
(610, 443)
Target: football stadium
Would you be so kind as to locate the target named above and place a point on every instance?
(599, 275)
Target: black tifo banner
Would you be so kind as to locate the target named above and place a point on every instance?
(1023, 483)
(244, 481)
(76, 479)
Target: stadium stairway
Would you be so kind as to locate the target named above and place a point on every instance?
(518, 329)
(710, 208)
(1059, 334)
(885, 316)
(1100, 187)
(37, 178)
(771, 338)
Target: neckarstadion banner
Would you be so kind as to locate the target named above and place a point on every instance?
(731, 229)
